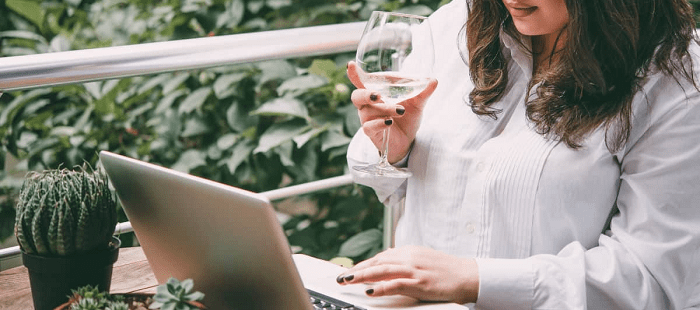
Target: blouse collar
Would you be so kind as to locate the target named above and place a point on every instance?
(521, 54)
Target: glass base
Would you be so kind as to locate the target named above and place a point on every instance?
(384, 171)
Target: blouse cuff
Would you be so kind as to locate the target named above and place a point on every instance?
(505, 284)
(403, 163)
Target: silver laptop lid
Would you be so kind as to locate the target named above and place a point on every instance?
(226, 239)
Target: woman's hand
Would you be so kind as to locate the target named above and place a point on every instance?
(417, 272)
(376, 116)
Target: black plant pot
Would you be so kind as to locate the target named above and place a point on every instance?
(53, 278)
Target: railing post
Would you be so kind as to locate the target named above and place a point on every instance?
(392, 213)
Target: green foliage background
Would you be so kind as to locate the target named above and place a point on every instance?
(259, 126)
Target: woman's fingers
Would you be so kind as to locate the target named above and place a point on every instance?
(418, 102)
(406, 287)
(374, 129)
(364, 98)
(379, 273)
(369, 106)
(418, 272)
(354, 74)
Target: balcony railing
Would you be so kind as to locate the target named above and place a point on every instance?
(41, 70)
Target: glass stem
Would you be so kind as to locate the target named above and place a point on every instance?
(383, 160)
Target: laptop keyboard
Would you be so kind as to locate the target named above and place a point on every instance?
(320, 301)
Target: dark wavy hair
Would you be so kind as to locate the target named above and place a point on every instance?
(610, 47)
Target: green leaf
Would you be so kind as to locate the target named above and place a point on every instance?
(63, 131)
(222, 86)
(153, 82)
(275, 69)
(233, 14)
(237, 118)
(169, 306)
(168, 100)
(284, 150)
(306, 163)
(19, 103)
(190, 160)
(300, 140)
(333, 139)
(140, 110)
(194, 100)
(25, 139)
(59, 43)
(255, 5)
(23, 34)
(352, 120)
(298, 85)
(238, 155)
(31, 10)
(176, 81)
(195, 126)
(226, 141)
(196, 296)
(323, 67)
(282, 107)
(74, 3)
(277, 4)
(187, 284)
(94, 89)
(337, 152)
(279, 133)
(361, 243)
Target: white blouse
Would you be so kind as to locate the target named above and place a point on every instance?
(531, 209)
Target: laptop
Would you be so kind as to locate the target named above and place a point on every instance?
(229, 241)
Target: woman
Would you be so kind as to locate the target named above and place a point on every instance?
(549, 117)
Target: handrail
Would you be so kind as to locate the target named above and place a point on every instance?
(276, 194)
(50, 69)
(60, 68)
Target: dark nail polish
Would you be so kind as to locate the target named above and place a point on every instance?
(388, 122)
(373, 97)
(369, 291)
(349, 278)
(400, 110)
(339, 279)
(347, 65)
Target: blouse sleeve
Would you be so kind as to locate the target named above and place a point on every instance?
(362, 151)
(650, 258)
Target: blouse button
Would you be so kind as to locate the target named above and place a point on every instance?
(470, 228)
(480, 167)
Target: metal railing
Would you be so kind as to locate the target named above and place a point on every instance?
(41, 70)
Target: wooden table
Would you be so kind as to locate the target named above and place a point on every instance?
(131, 274)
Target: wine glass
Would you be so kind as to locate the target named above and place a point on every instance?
(395, 59)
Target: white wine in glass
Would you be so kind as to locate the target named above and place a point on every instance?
(395, 59)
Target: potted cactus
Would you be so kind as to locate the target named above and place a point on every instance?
(64, 225)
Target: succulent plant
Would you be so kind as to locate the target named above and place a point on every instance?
(90, 298)
(87, 304)
(172, 295)
(176, 295)
(117, 306)
(63, 212)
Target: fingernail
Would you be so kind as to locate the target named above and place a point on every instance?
(349, 278)
(339, 279)
(369, 291)
(373, 97)
(400, 110)
(388, 122)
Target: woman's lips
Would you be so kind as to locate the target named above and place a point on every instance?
(522, 11)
